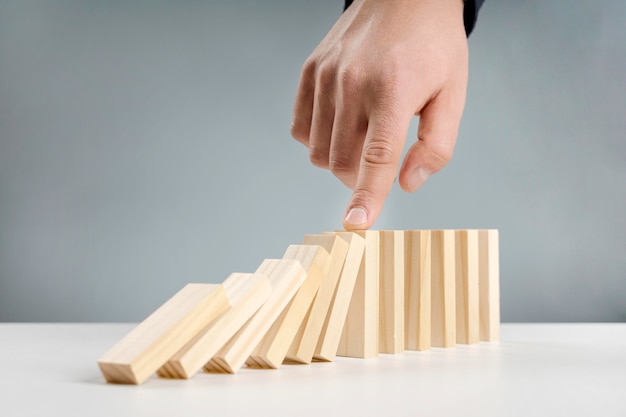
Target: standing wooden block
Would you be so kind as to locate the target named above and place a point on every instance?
(149, 345)
(391, 319)
(271, 351)
(443, 285)
(303, 345)
(286, 276)
(331, 332)
(360, 332)
(489, 285)
(417, 294)
(246, 294)
(467, 321)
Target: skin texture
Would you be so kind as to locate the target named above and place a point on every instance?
(381, 64)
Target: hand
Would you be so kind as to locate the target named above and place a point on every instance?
(383, 62)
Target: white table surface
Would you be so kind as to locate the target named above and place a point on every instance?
(536, 370)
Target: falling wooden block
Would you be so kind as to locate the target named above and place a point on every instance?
(246, 294)
(286, 276)
(391, 319)
(304, 343)
(360, 332)
(149, 345)
(271, 351)
(332, 329)
(467, 321)
(443, 303)
(489, 285)
(417, 292)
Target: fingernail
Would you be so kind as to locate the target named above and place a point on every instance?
(356, 216)
(418, 178)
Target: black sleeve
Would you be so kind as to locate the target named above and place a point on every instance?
(470, 13)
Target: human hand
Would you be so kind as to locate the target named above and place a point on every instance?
(382, 63)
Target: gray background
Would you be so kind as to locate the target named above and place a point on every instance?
(146, 145)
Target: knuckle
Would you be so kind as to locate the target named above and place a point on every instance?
(299, 132)
(350, 78)
(342, 165)
(379, 152)
(442, 154)
(318, 157)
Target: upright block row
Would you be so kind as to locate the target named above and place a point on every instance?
(342, 293)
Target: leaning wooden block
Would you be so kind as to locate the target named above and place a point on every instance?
(360, 332)
(443, 304)
(331, 332)
(304, 344)
(467, 321)
(391, 321)
(147, 347)
(489, 285)
(286, 276)
(246, 294)
(271, 351)
(417, 291)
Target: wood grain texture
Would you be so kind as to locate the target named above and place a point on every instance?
(149, 345)
(303, 346)
(443, 286)
(467, 321)
(331, 332)
(286, 276)
(391, 279)
(246, 294)
(271, 351)
(417, 293)
(489, 285)
(360, 332)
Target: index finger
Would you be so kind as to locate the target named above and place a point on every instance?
(382, 151)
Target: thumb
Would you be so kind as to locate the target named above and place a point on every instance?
(437, 133)
(380, 158)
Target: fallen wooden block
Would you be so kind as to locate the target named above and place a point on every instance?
(391, 320)
(467, 321)
(331, 332)
(286, 276)
(360, 332)
(417, 289)
(147, 347)
(443, 287)
(304, 343)
(246, 294)
(271, 351)
(489, 285)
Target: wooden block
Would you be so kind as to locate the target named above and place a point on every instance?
(489, 285)
(417, 293)
(391, 319)
(443, 303)
(271, 351)
(286, 276)
(149, 345)
(467, 321)
(331, 332)
(246, 294)
(305, 342)
(360, 332)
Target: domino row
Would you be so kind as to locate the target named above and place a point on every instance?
(353, 294)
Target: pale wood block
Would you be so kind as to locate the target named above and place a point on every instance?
(443, 285)
(271, 351)
(360, 332)
(305, 342)
(467, 321)
(489, 285)
(417, 292)
(391, 319)
(149, 345)
(331, 332)
(246, 294)
(286, 276)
